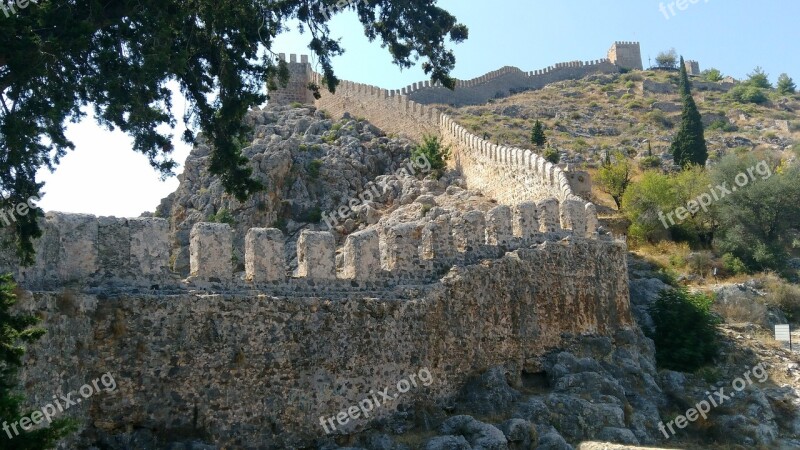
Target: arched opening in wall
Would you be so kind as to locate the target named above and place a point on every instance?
(535, 383)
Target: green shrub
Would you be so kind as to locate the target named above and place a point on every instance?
(222, 216)
(711, 375)
(748, 94)
(281, 223)
(313, 168)
(787, 298)
(432, 150)
(658, 118)
(552, 155)
(700, 263)
(313, 215)
(722, 125)
(650, 162)
(685, 333)
(733, 265)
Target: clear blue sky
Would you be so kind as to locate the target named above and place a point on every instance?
(104, 177)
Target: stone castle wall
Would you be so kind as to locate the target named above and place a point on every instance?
(296, 91)
(502, 83)
(251, 370)
(106, 252)
(256, 358)
(508, 174)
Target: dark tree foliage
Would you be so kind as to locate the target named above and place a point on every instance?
(537, 134)
(685, 333)
(15, 331)
(57, 56)
(689, 144)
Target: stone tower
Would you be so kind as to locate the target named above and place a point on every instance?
(297, 89)
(692, 67)
(626, 55)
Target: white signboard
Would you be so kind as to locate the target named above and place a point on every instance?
(782, 333)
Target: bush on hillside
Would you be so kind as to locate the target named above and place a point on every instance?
(552, 155)
(434, 152)
(685, 333)
(757, 222)
(748, 94)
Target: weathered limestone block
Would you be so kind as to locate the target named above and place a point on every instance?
(149, 246)
(549, 215)
(526, 221)
(210, 251)
(263, 255)
(362, 255)
(469, 231)
(113, 245)
(498, 226)
(437, 242)
(77, 245)
(591, 220)
(573, 216)
(400, 248)
(316, 255)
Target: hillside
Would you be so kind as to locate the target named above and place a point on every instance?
(623, 112)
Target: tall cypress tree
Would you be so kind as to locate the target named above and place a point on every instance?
(689, 145)
(537, 134)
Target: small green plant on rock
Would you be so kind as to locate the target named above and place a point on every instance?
(432, 151)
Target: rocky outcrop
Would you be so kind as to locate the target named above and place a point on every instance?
(308, 164)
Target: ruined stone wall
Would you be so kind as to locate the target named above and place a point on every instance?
(502, 83)
(508, 174)
(250, 370)
(117, 253)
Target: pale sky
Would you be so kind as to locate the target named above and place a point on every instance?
(103, 176)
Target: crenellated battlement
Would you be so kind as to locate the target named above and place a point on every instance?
(508, 174)
(534, 78)
(83, 249)
(497, 83)
(626, 55)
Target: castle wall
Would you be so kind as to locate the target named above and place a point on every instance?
(297, 88)
(111, 253)
(508, 174)
(251, 368)
(504, 82)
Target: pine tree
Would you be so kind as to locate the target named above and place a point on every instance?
(14, 331)
(537, 135)
(689, 145)
(786, 85)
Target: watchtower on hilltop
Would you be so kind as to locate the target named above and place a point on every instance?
(626, 55)
(297, 89)
(692, 67)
